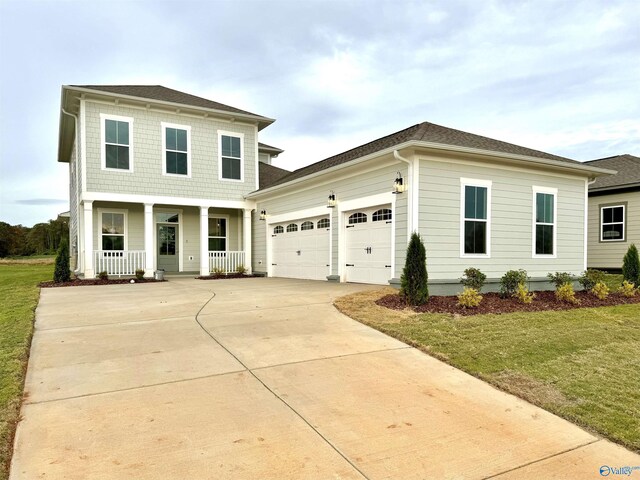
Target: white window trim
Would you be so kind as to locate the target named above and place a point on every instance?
(103, 144)
(222, 133)
(164, 127)
(548, 191)
(226, 238)
(624, 224)
(126, 226)
(472, 182)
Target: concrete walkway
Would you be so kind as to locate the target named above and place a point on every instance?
(263, 378)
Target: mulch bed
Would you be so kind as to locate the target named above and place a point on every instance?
(493, 303)
(96, 281)
(226, 277)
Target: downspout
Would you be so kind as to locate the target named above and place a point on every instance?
(590, 181)
(410, 206)
(75, 119)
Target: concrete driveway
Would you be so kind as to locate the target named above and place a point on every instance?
(263, 378)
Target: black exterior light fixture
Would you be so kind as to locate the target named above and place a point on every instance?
(331, 201)
(398, 184)
(263, 214)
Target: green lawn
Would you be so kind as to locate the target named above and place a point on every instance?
(581, 364)
(19, 293)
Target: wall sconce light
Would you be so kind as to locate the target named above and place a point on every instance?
(398, 184)
(263, 214)
(331, 202)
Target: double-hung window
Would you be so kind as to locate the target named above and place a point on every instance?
(544, 217)
(176, 149)
(612, 220)
(217, 234)
(117, 149)
(231, 161)
(475, 217)
(113, 230)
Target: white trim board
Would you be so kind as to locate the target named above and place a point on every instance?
(157, 199)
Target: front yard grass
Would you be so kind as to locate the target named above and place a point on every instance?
(19, 293)
(581, 364)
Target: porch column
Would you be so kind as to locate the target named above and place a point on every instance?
(149, 252)
(246, 238)
(89, 269)
(204, 240)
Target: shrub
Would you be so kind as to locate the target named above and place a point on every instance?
(413, 283)
(62, 271)
(631, 265)
(559, 278)
(469, 298)
(217, 272)
(103, 275)
(600, 290)
(565, 293)
(523, 295)
(627, 289)
(241, 269)
(139, 274)
(590, 277)
(510, 281)
(473, 278)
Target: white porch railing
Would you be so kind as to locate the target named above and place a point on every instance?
(227, 262)
(119, 262)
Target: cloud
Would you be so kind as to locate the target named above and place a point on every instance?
(41, 201)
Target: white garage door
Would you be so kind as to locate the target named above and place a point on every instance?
(368, 245)
(300, 249)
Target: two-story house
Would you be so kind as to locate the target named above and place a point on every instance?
(158, 179)
(161, 179)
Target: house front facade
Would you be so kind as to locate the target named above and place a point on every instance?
(162, 179)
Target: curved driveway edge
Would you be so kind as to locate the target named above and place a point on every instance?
(269, 381)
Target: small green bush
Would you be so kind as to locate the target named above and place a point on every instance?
(600, 290)
(590, 277)
(140, 274)
(413, 283)
(62, 271)
(565, 293)
(510, 281)
(627, 289)
(469, 298)
(241, 269)
(559, 278)
(473, 278)
(631, 265)
(103, 275)
(523, 295)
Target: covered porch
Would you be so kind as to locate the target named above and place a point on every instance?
(120, 238)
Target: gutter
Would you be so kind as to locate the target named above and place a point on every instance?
(75, 119)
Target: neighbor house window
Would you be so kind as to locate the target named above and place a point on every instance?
(231, 164)
(117, 151)
(176, 149)
(475, 214)
(112, 230)
(612, 223)
(544, 234)
(217, 234)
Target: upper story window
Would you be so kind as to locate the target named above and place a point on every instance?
(544, 234)
(117, 148)
(231, 151)
(176, 147)
(475, 217)
(612, 220)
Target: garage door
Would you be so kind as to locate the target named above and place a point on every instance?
(368, 245)
(300, 249)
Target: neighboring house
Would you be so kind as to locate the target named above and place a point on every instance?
(163, 179)
(614, 212)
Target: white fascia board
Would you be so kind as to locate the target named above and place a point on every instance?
(157, 199)
(298, 214)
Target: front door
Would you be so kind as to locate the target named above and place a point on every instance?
(168, 248)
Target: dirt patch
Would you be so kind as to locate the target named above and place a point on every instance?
(96, 281)
(493, 303)
(363, 306)
(529, 388)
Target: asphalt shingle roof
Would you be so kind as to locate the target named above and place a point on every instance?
(628, 175)
(269, 174)
(427, 132)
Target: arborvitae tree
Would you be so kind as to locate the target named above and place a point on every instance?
(62, 272)
(413, 283)
(631, 265)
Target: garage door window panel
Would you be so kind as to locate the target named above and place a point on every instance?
(358, 217)
(278, 229)
(292, 227)
(324, 223)
(381, 215)
(306, 226)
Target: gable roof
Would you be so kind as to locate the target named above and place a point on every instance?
(628, 176)
(424, 132)
(275, 151)
(269, 174)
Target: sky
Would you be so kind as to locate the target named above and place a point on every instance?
(558, 76)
